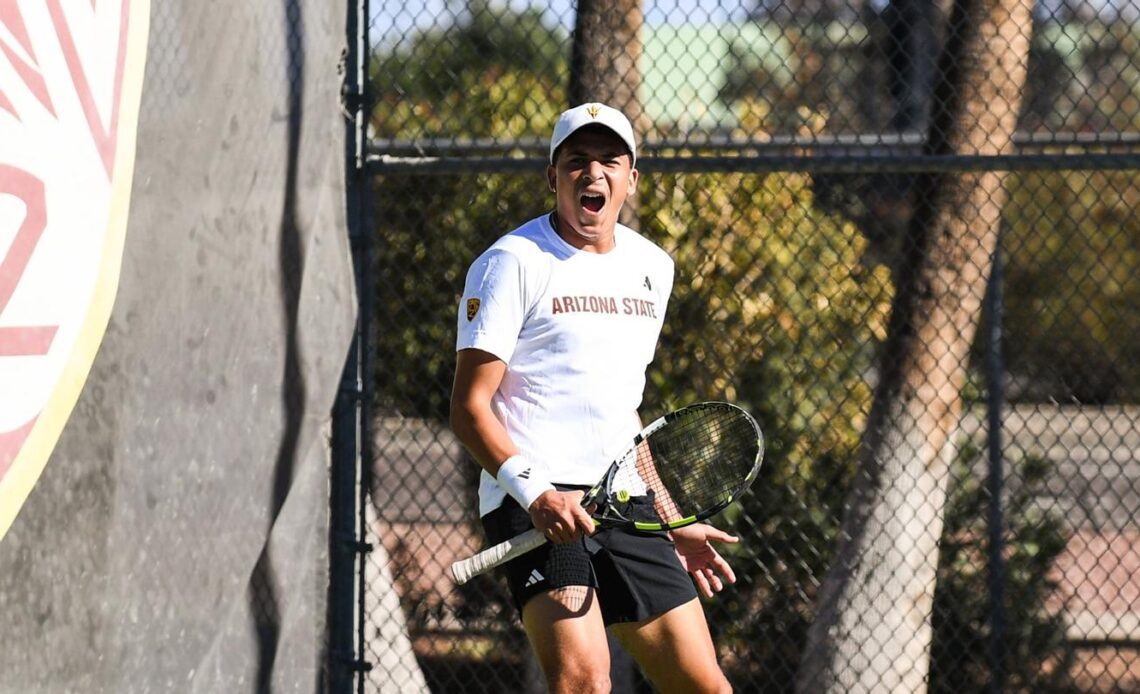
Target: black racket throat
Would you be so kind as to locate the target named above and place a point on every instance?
(634, 512)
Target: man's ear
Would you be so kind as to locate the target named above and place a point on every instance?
(551, 177)
(633, 176)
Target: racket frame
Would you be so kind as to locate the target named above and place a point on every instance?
(599, 496)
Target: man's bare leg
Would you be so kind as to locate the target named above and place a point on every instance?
(675, 650)
(566, 631)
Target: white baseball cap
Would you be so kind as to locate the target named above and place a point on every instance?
(593, 114)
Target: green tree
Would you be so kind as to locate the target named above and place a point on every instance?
(420, 86)
(1072, 317)
(486, 79)
(880, 585)
(774, 308)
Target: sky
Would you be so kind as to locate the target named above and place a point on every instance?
(391, 20)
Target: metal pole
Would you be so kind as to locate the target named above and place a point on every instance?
(996, 380)
(342, 530)
(364, 289)
(348, 434)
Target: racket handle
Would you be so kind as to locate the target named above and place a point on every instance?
(466, 569)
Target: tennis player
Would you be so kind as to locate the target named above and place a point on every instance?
(557, 323)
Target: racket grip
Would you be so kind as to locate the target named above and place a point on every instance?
(501, 553)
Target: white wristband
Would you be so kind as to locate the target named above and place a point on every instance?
(523, 480)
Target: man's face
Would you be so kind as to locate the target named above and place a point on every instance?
(591, 178)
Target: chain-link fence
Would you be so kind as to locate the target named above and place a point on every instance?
(905, 240)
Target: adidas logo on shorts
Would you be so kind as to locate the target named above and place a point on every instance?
(535, 577)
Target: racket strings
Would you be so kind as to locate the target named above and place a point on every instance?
(697, 462)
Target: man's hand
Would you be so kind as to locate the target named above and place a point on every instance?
(697, 555)
(560, 516)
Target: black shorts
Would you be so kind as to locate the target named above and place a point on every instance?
(636, 573)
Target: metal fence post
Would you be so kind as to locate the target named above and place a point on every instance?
(996, 397)
(348, 482)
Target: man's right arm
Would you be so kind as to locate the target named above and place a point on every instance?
(477, 377)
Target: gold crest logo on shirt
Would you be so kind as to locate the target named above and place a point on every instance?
(472, 308)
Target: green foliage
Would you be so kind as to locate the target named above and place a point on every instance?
(430, 228)
(429, 231)
(774, 308)
(1034, 644)
(1071, 322)
(500, 59)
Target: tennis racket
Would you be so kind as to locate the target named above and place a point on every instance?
(683, 467)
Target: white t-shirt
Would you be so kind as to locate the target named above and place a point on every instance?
(576, 331)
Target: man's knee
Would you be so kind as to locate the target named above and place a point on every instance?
(579, 678)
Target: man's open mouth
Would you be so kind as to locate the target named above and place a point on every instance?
(593, 203)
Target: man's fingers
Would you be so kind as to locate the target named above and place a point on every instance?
(714, 580)
(583, 521)
(560, 535)
(561, 517)
(725, 570)
(718, 535)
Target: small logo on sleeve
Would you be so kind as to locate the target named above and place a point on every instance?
(472, 308)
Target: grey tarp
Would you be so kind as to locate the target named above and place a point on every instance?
(177, 537)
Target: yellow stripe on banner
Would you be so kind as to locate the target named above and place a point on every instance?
(33, 455)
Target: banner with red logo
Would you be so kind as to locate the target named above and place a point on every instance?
(166, 381)
(70, 86)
